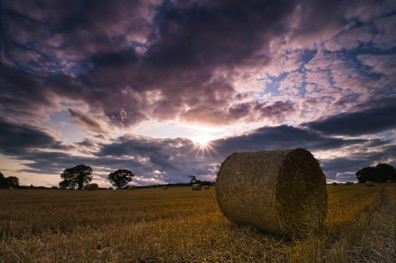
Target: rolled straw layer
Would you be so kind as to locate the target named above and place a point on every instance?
(278, 191)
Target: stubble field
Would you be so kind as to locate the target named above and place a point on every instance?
(181, 225)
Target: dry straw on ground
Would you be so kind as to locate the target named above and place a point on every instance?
(92, 187)
(278, 191)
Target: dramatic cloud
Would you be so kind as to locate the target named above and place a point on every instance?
(139, 84)
(370, 121)
(18, 139)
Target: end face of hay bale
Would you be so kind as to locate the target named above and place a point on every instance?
(279, 191)
(196, 187)
(92, 187)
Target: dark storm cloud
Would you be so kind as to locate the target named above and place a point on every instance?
(186, 45)
(48, 162)
(83, 27)
(178, 157)
(161, 154)
(135, 60)
(55, 162)
(22, 94)
(320, 19)
(278, 110)
(287, 137)
(368, 121)
(281, 137)
(127, 62)
(172, 160)
(342, 164)
(224, 33)
(18, 139)
(93, 52)
(345, 168)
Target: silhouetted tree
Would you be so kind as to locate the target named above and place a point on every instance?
(120, 178)
(7, 182)
(13, 181)
(366, 174)
(379, 174)
(79, 175)
(384, 172)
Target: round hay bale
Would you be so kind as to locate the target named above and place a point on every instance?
(349, 183)
(334, 183)
(369, 183)
(278, 191)
(131, 187)
(196, 187)
(92, 187)
(165, 187)
(206, 187)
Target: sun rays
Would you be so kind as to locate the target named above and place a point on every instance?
(204, 144)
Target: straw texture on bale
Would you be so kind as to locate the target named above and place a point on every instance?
(196, 187)
(278, 191)
(92, 187)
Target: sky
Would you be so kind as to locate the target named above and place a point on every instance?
(169, 89)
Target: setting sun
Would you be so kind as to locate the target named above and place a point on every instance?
(203, 140)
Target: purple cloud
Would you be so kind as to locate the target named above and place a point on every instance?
(373, 120)
(305, 72)
(19, 139)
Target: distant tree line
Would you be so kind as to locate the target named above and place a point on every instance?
(379, 174)
(80, 176)
(8, 182)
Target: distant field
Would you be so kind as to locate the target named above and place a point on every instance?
(181, 225)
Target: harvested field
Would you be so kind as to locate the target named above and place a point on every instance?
(180, 225)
